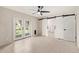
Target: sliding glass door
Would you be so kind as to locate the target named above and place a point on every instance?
(21, 29)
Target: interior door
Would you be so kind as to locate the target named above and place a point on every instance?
(69, 28)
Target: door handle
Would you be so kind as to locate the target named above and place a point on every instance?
(65, 29)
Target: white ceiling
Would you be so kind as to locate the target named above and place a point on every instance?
(54, 10)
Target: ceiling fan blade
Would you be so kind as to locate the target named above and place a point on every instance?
(45, 11)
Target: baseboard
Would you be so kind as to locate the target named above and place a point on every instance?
(4, 45)
(65, 40)
(22, 38)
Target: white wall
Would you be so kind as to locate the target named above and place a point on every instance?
(77, 20)
(6, 24)
(77, 23)
(78, 30)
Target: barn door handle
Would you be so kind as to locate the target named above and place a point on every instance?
(65, 29)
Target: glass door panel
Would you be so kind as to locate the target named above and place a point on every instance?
(19, 29)
(26, 27)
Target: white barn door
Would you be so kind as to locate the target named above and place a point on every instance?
(59, 28)
(69, 28)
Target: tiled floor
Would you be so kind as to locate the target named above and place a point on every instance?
(40, 45)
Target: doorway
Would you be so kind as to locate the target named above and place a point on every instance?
(51, 27)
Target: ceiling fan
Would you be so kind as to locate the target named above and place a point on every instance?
(40, 11)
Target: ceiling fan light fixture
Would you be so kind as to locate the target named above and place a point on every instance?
(38, 13)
